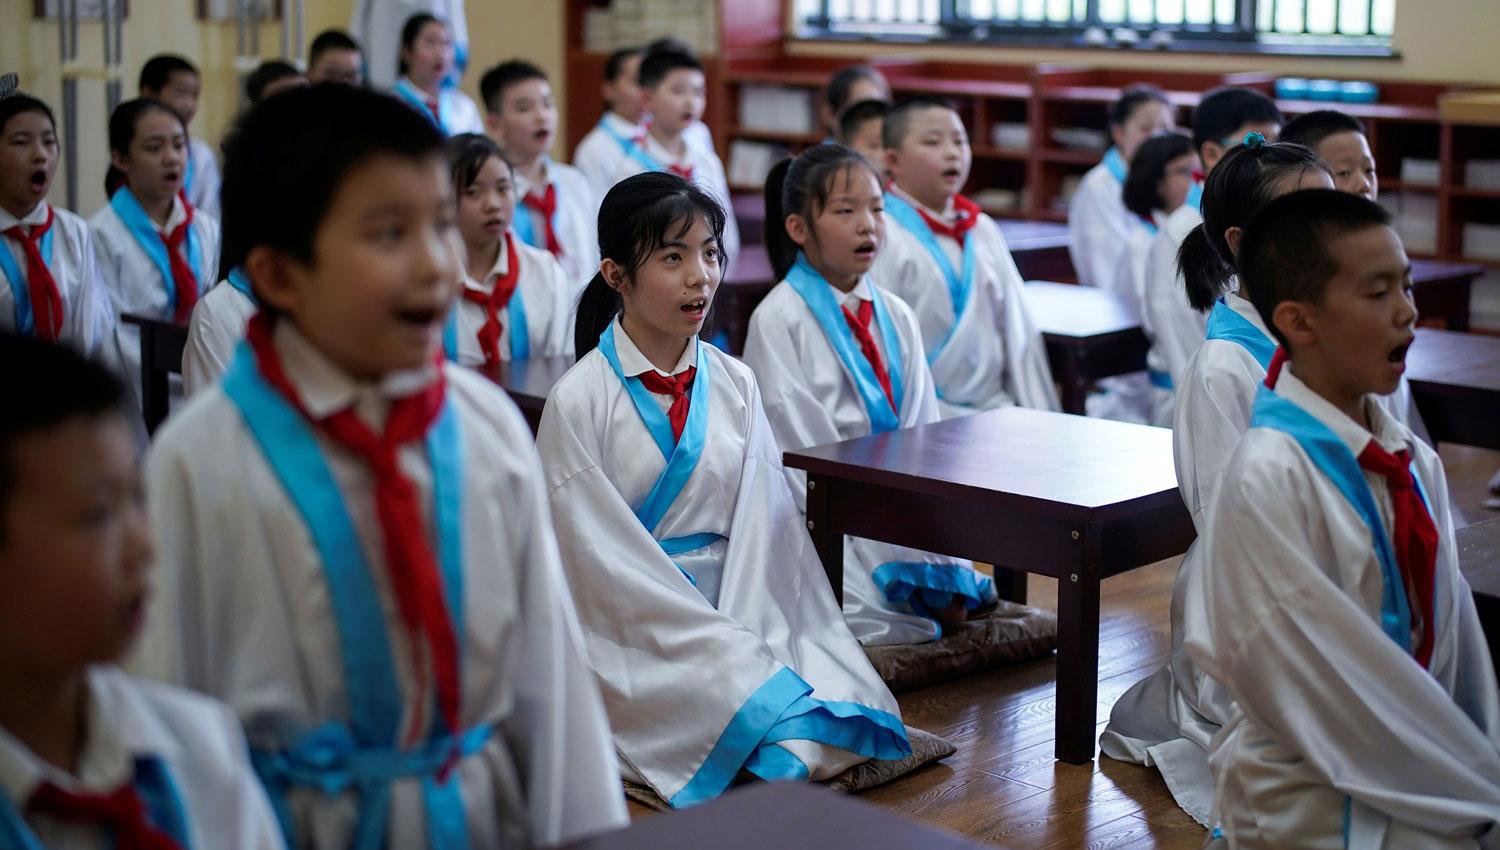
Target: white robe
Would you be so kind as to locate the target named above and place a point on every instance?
(1128, 398)
(377, 25)
(1328, 710)
(1175, 328)
(577, 223)
(203, 191)
(761, 602)
(811, 400)
(244, 614)
(1098, 227)
(708, 173)
(458, 110)
(88, 314)
(217, 326)
(996, 356)
(547, 298)
(197, 740)
(599, 154)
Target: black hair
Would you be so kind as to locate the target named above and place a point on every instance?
(1147, 167)
(638, 216)
(657, 64)
(1284, 253)
(857, 113)
(836, 93)
(898, 118)
(15, 104)
(269, 72)
(330, 39)
(1245, 180)
(302, 144)
(1311, 128)
(123, 121)
(158, 71)
(467, 153)
(57, 383)
(801, 186)
(1228, 108)
(409, 32)
(670, 44)
(614, 66)
(1132, 97)
(496, 80)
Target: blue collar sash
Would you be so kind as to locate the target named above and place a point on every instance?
(1224, 323)
(16, 277)
(408, 91)
(240, 281)
(150, 241)
(1195, 196)
(1114, 161)
(960, 282)
(359, 752)
(153, 784)
(817, 293)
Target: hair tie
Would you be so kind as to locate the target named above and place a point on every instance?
(1254, 140)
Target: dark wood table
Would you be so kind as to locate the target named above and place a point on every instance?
(741, 291)
(1054, 494)
(161, 356)
(528, 382)
(1455, 379)
(1441, 290)
(1040, 248)
(1479, 561)
(1091, 333)
(778, 816)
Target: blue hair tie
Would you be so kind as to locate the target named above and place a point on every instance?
(1254, 140)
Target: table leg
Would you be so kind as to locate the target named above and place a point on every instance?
(1075, 388)
(1078, 652)
(1010, 585)
(828, 543)
(153, 384)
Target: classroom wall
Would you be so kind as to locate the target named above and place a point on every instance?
(498, 30)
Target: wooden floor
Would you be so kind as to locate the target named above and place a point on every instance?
(1003, 786)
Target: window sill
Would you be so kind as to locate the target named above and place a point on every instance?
(1074, 42)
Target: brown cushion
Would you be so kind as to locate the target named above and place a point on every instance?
(925, 748)
(1005, 635)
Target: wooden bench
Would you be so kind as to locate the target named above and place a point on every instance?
(1065, 496)
(1090, 333)
(162, 343)
(1455, 380)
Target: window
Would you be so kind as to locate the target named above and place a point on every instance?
(1361, 26)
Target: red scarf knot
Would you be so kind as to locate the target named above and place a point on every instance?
(860, 324)
(494, 302)
(677, 387)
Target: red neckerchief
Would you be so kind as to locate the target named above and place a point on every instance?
(46, 300)
(495, 301)
(968, 217)
(183, 280)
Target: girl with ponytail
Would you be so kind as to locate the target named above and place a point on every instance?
(687, 556)
(1212, 414)
(838, 358)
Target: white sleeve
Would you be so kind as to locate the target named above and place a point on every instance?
(1028, 376)
(1211, 416)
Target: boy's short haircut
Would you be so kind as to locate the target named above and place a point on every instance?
(1284, 252)
(330, 39)
(15, 104)
(657, 64)
(898, 118)
(1226, 109)
(288, 155)
(496, 80)
(158, 70)
(1310, 128)
(853, 118)
(1133, 96)
(269, 72)
(614, 66)
(51, 384)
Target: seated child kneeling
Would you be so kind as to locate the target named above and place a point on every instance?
(685, 550)
(86, 752)
(1366, 711)
(839, 357)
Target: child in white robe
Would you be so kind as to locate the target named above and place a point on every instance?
(599, 153)
(356, 551)
(90, 757)
(656, 442)
(1220, 123)
(426, 64)
(672, 89)
(1099, 224)
(52, 288)
(556, 207)
(176, 82)
(948, 261)
(377, 24)
(216, 329)
(515, 303)
(1366, 712)
(837, 357)
(156, 253)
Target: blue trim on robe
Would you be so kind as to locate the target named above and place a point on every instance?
(1160, 379)
(1195, 196)
(924, 586)
(240, 281)
(1224, 323)
(960, 282)
(153, 784)
(408, 91)
(16, 277)
(1114, 163)
(149, 240)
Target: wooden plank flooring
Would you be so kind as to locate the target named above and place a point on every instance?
(1004, 787)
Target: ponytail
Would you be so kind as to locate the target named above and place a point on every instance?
(779, 245)
(597, 307)
(1204, 274)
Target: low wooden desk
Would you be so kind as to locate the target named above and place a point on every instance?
(162, 343)
(1091, 333)
(778, 816)
(1441, 290)
(1058, 495)
(528, 382)
(1040, 248)
(1479, 561)
(1455, 379)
